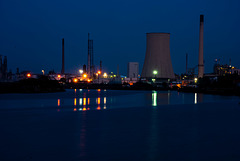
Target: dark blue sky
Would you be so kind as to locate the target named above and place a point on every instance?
(31, 32)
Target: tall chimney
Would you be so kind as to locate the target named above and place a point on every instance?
(200, 56)
(186, 63)
(89, 56)
(100, 65)
(62, 56)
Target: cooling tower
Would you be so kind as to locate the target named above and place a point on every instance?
(158, 62)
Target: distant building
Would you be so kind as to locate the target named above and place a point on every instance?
(3, 67)
(133, 69)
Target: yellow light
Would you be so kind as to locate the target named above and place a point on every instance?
(28, 75)
(88, 101)
(75, 101)
(59, 76)
(84, 101)
(98, 100)
(105, 75)
(89, 80)
(99, 72)
(84, 75)
(84, 109)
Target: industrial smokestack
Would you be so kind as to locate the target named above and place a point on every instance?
(186, 63)
(62, 56)
(84, 68)
(100, 65)
(157, 62)
(200, 56)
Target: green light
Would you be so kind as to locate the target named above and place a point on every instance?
(155, 72)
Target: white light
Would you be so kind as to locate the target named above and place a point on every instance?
(81, 71)
(154, 98)
(195, 98)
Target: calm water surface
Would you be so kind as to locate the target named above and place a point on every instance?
(119, 125)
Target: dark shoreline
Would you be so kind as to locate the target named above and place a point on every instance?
(50, 86)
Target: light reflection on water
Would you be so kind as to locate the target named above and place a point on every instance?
(85, 99)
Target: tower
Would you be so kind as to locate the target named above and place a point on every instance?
(200, 55)
(158, 62)
(90, 65)
(62, 71)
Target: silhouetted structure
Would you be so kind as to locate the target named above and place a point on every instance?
(200, 56)
(63, 57)
(3, 67)
(84, 68)
(90, 65)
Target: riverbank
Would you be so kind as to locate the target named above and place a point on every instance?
(31, 86)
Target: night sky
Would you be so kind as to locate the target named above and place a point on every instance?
(31, 32)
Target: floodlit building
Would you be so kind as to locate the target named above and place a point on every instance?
(133, 70)
(157, 64)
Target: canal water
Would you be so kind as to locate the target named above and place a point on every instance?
(82, 124)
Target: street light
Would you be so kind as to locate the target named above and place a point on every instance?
(155, 72)
(80, 71)
(43, 72)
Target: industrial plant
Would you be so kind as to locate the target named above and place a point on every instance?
(157, 71)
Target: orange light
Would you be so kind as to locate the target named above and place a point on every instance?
(98, 108)
(75, 101)
(84, 75)
(99, 72)
(88, 101)
(75, 109)
(59, 76)
(28, 75)
(98, 100)
(89, 80)
(75, 80)
(130, 84)
(58, 102)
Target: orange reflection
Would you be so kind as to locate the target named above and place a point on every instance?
(75, 109)
(99, 90)
(88, 101)
(75, 90)
(98, 108)
(75, 101)
(84, 101)
(58, 102)
(88, 108)
(98, 100)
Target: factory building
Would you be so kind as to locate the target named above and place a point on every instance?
(133, 69)
(157, 64)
